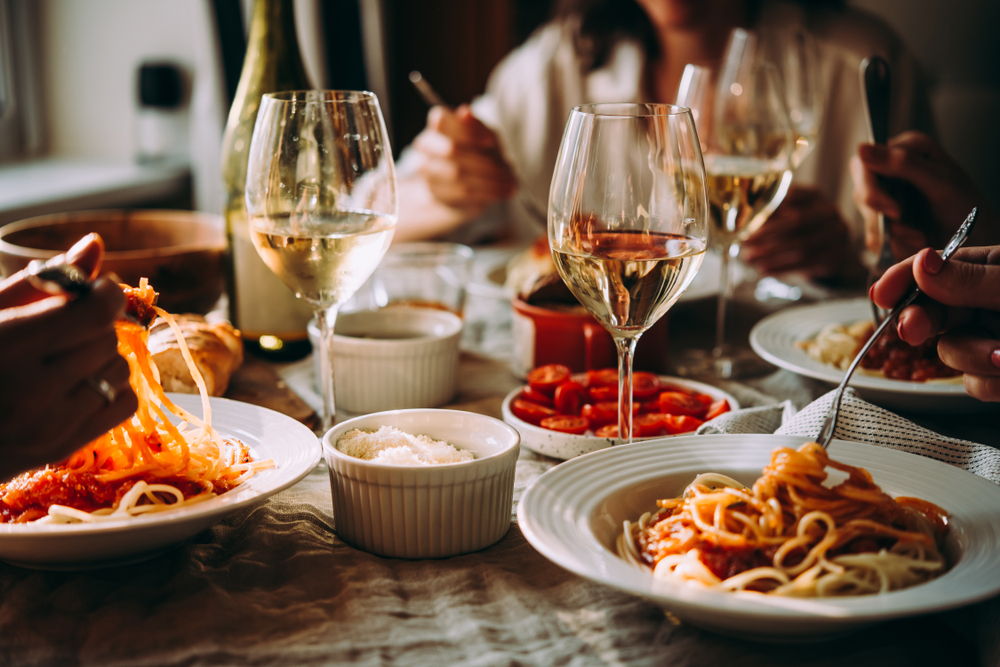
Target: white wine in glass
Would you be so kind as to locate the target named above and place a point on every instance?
(628, 220)
(321, 201)
(748, 142)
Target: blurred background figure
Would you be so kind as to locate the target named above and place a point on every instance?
(468, 158)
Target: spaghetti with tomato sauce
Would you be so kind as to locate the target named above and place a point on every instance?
(790, 534)
(145, 464)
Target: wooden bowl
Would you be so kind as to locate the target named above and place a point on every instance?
(180, 252)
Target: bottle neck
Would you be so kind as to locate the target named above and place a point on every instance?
(273, 47)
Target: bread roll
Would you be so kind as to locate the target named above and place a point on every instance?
(216, 348)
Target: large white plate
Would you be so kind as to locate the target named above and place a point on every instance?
(269, 435)
(574, 512)
(565, 445)
(774, 338)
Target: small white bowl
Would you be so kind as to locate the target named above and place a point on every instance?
(394, 358)
(425, 511)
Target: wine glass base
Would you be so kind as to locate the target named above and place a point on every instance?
(727, 365)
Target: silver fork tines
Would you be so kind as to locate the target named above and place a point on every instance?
(830, 423)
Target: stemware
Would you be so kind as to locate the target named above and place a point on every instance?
(748, 142)
(321, 201)
(795, 53)
(628, 219)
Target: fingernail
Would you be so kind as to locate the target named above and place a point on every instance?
(995, 358)
(871, 292)
(932, 262)
(899, 328)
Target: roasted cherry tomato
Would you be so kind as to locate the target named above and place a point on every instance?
(675, 424)
(607, 431)
(603, 392)
(652, 405)
(603, 376)
(719, 407)
(600, 414)
(529, 393)
(546, 378)
(681, 403)
(570, 397)
(648, 424)
(644, 385)
(566, 424)
(533, 413)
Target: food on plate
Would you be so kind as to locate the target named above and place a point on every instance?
(891, 357)
(391, 446)
(558, 400)
(791, 533)
(215, 347)
(146, 464)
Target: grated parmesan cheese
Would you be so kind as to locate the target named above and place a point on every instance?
(390, 446)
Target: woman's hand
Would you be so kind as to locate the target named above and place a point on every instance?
(923, 194)
(460, 172)
(53, 355)
(804, 234)
(963, 300)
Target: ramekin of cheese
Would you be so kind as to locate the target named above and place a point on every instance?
(394, 358)
(415, 497)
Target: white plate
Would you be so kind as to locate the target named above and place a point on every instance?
(566, 445)
(774, 338)
(574, 512)
(269, 435)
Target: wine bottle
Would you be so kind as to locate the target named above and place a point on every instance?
(273, 322)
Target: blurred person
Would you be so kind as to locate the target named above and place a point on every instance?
(62, 381)
(925, 196)
(922, 192)
(468, 159)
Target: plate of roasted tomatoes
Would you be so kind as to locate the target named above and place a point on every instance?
(563, 414)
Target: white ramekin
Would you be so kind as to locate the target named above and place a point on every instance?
(425, 511)
(374, 371)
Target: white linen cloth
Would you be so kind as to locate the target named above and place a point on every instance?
(860, 421)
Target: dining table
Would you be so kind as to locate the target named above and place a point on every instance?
(273, 585)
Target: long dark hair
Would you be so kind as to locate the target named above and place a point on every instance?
(600, 24)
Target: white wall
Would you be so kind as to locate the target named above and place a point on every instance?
(92, 50)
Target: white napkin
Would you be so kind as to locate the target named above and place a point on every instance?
(860, 421)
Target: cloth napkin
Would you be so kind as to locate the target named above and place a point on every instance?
(860, 421)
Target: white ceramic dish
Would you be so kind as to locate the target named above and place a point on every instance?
(425, 511)
(774, 338)
(573, 513)
(566, 446)
(393, 358)
(270, 435)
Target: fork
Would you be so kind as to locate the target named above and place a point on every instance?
(830, 423)
(875, 89)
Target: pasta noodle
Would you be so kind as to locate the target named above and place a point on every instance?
(145, 464)
(790, 534)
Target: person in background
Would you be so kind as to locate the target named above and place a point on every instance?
(62, 381)
(503, 147)
(925, 196)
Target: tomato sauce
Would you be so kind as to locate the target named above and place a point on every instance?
(899, 360)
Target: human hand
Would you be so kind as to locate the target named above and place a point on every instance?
(923, 194)
(963, 300)
(804, 234)
(51, 349)
(462, 163)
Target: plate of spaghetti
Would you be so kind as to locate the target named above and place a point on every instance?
(176, 467)
(816, 340)
(767, 537)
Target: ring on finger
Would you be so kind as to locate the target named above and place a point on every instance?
(102, 387)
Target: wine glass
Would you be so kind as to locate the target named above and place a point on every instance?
(748, 142)
(321, 201)
(796, 55)
(628, 219)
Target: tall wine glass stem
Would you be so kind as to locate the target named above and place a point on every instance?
(626, 351)
(723, 303)
(326, 317)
